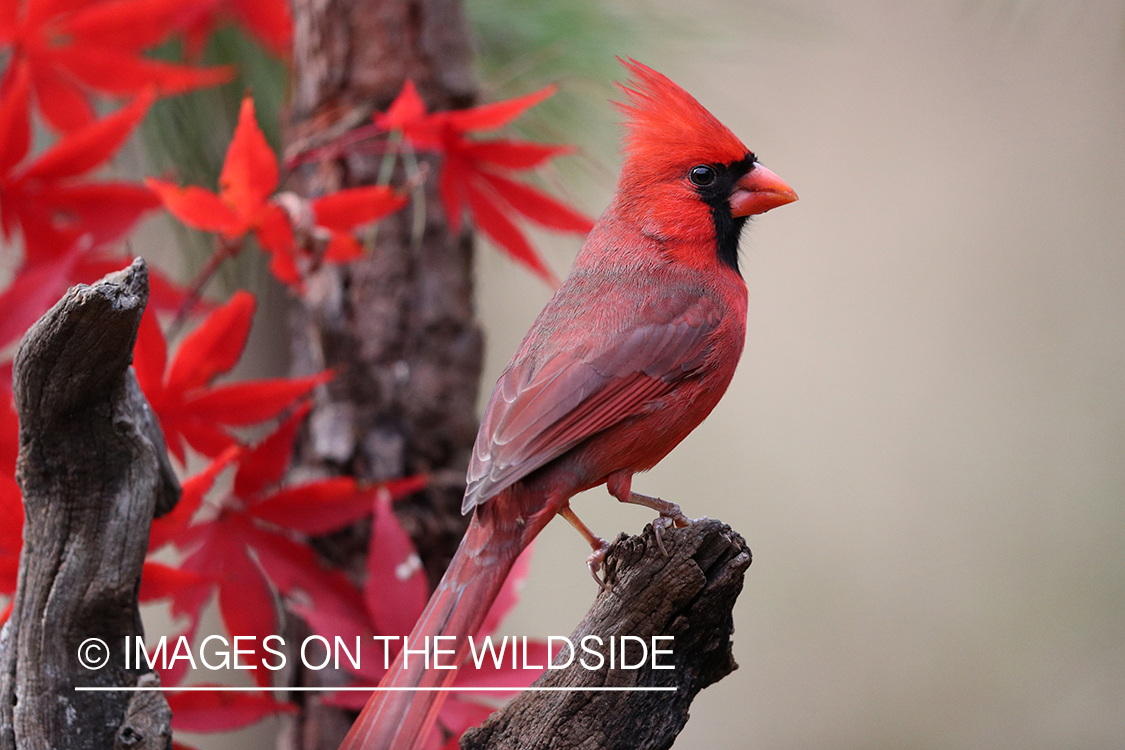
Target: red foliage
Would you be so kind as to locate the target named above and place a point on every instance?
(11, 503)
(44, 198)
(172, 524)
(160, 581)
(246, 551)
(243, 205)
(192, 410)
(246, 546)
(268, 21)
(38, 286)
(66, 222)
(74, 47)
(473, 171)
(206, 711)
(70, 48)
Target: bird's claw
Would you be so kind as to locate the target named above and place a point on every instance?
(658, 531)
(673, 518)
(594, 563)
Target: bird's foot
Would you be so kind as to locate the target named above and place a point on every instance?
(671, 517)
(595, 560)
(674, 518)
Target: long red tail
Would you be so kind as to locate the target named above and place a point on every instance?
(401, 719)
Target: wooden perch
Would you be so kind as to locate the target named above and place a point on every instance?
(688, 595)
(93, 470)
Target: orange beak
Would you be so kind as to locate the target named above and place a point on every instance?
(758, 192)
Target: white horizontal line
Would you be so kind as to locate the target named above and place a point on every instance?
(302, 689)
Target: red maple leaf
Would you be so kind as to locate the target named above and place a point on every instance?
(46, 198)
(74, 47)
(243, 205)
(252, 546)
(67, 223)
(249, 550)
(247, 565)
(311, 508)
(193, 411)
(269, 21)
(473, 173)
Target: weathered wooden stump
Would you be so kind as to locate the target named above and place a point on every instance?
(93, 470)
(688, 595)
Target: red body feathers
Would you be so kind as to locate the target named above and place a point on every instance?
(630, 355)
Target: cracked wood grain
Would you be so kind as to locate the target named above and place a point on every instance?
(93, 471)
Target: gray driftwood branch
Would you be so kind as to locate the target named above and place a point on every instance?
(93, 471)
(688, 595)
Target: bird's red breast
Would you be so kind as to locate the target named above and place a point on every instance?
(635, 345)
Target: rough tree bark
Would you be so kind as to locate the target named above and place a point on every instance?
(398, 326)
(93, 470)
(687, 595)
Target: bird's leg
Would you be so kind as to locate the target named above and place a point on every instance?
(599, 545)
(671, 516)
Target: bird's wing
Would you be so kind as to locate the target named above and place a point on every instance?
(538, 413)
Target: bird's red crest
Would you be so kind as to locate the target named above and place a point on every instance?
(664, 119)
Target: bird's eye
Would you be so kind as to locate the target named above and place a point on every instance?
(702, 175)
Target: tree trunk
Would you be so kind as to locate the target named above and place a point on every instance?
(397, 326)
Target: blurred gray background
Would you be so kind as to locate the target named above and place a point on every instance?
(925, 442)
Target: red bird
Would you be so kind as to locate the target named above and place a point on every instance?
(629, 356)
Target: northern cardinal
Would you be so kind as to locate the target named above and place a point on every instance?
(629, 356)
